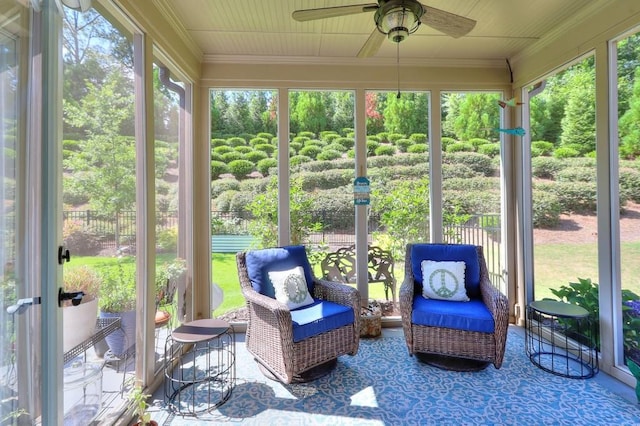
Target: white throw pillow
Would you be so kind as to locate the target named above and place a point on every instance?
(291, 287)
(444, 280)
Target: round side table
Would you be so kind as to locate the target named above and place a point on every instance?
(561, 339)
(200, 366)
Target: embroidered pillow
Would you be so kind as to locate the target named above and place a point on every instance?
(444, 280)
(291, 287)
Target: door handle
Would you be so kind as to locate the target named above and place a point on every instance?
(74, 296)
(63, 254)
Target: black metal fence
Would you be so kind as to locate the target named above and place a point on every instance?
(338, 230)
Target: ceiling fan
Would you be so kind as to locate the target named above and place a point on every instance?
(394, 18)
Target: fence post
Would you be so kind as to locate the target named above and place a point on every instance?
(88, 217)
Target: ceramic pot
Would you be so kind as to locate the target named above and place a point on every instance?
(79, 322)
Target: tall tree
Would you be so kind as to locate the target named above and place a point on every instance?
(310, 112)
(579, 121)
(343, 115)
(477, 117)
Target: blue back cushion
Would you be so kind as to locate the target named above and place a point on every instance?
(260, 262)
(457, 252)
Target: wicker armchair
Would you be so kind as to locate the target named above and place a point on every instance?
(453, 340)
(272, 327)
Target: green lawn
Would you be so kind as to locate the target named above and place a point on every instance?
(560, 264)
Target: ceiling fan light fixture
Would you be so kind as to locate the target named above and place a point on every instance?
(398, 18)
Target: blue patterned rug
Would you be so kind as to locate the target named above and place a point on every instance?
(382, 385)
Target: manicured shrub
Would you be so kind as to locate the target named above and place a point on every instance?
(418, 148)
(384, 136)
(255, 156)
(265, 135)
(241, 168)
(236, 141)
(264, 165)
(373, 138)
(310, 151)
(318, 166)
(371, 147)
(446, 141)
(243, 149)
(300, 139)
(576, 197)
(547, 208)
(474, 184)
(546, 167)
(394, 137)
(388, 150)
(266, 148)
(541, 148)
(231, 156)
(403, 144)
(326, 180)
(309, 135)
(258, 141)
(222, 203)
(477, 142)
(296, 160)
(489, 149)
(329, 154)
(246, 136)
(565, 152)
(477, 162)
(346, 142)
(418, 137)
(216, 157)
(218, 168)
(457, 171)
(216, 142)
(315, 142)
(222, 149)
(577, 174)
(222, 185)
(460, 147)
(295, 146)
(336, 147)
(347, 130)
(630, 184)
(328, 135)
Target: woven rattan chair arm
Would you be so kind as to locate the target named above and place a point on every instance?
(336, 292)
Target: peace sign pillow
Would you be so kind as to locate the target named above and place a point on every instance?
(444, 280)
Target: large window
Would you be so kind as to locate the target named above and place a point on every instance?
(471, 174)
(244, 202)
(629, 200)
(564, 186)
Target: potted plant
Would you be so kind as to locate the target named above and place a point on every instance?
(168, 278)
(79, 320)
(140, 405)
(631, 331)
(117, 298)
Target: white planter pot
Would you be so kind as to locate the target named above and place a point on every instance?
(78, 323)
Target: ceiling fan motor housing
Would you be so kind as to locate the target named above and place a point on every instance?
(398, 18)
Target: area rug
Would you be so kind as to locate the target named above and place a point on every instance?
(382, 385)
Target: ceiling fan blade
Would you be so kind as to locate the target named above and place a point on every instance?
(449, 23)
(372, 45)
(331, 12)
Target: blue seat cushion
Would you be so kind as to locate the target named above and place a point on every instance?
(443, 252)
(260, 262)
(470, 316)
(319, 317)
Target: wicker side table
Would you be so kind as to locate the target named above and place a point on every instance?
(200, 366)
(560, 339)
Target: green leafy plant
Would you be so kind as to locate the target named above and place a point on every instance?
(584, 293)
(118, 288)
(82, 278)
(140, 405)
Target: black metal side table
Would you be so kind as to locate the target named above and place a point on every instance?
(200, 366)
(560, 338)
